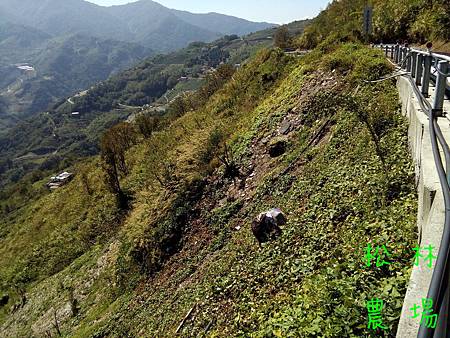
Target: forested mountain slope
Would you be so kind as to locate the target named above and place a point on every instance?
(48, 140)
(415, 21)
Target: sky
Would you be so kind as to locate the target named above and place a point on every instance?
(274, 11)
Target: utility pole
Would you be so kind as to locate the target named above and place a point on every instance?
(367, 26)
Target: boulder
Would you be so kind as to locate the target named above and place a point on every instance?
(285, 128)
(278, 216)
(266, 226)
(265, 140)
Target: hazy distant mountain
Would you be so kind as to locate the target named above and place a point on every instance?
(222, 23)
(144, 22)
(157, 27)
(71, 44)
(58, 17)
(59, 65)
(18, 36)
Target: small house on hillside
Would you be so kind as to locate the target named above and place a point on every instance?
(60, 180)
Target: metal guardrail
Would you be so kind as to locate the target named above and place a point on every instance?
(420, 66)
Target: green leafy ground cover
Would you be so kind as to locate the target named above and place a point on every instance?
(345, 180)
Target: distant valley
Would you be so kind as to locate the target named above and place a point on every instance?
(70, 46)
(38, 69)
(70, 126)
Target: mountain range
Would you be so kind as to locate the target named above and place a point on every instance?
(145, 22)
(52, 49)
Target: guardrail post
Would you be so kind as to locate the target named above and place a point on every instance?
(414, 64)
(441, 83)
(402, 56)
(387, 50)
(392, 52)
(397, 54)
(405, 52)
(408, 62)
(426, 75)
(419, 70)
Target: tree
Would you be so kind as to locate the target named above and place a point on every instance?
(215, 81)
(178, 107)
(282, 38)
(147, 124)
(114, 144)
